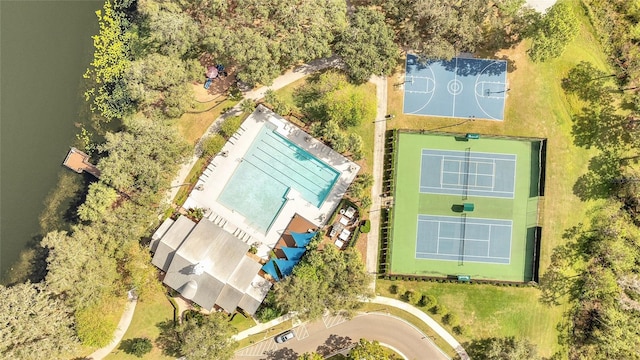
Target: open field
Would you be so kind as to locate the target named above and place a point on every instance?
(488, 311)
(536, 107)
(150, 312)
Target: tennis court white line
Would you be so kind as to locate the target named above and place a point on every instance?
(438, 242)
(489, 247)
(465, 239)
(469, 222)
(424, 189)
(476, 256)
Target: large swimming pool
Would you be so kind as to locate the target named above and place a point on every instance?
(273, 165)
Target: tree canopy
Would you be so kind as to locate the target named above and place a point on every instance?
(370, 350)
(324, 279)
(207, 337)
(555, 30)
(367, 46)
(34, 323)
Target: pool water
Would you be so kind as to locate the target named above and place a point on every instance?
(273, 165)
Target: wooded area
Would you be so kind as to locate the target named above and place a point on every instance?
(147, 55)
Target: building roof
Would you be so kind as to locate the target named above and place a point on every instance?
(155, 238)
(209, 266)
(172, 239)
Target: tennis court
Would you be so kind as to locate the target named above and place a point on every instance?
(464, 207)
(459, 88)
(467, 173)
(459, 238)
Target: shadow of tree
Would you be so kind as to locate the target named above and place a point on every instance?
(168, 340)
(334, 343)
(598, 182)
(282, 354)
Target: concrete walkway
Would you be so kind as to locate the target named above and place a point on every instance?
(262, 327)
(281, 81)
(123, 325)
(377, 172)
(442, 332)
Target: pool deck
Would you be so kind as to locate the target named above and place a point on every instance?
(221, 169)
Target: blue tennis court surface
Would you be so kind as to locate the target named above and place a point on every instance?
(461, 88)
(468, 173)
(463, 239)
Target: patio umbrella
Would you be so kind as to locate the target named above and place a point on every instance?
(212, 72)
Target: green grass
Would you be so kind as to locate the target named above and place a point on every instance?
(488, 310)
(150, 311)
(269, 333)
(192, 125)
(368, 307)
(242, 323)
(409, 202)
(536, 107)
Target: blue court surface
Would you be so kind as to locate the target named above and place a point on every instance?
(467, 173)
(461, 88)
(463, 239)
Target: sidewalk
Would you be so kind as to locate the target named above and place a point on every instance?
(261, 327)
(376, 190)
(123, 325)
(281, 81)
(442, 332)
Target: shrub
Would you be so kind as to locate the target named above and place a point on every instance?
(438, 309)
(428, 301)
(137, 346)
(459, 330)
(412, 297)
(366, 226)
(396, 289)
(451, 319)
(212, 145)
(230, 126)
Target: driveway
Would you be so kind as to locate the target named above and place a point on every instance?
(333, 333)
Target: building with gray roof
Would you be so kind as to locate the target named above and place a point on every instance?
(208, 265)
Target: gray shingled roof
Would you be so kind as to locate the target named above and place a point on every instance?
(155, 238)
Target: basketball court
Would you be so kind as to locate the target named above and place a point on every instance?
(458, 88)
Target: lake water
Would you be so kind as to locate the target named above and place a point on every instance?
(45, 48)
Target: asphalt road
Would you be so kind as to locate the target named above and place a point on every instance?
(333, 333)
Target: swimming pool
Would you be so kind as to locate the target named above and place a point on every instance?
(273, 165)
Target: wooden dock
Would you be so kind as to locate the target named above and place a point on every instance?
(78, 161)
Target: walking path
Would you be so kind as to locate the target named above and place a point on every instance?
(123, 325)
(376, 190)
(442, 332)
(283, 80)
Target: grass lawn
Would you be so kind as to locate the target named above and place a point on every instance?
(487, 311)
(269, 333)
(536, 106)
(192, 125)
(242, 323)
(150, 311)
(368, 307)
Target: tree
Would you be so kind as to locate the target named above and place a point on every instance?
(109, 95)
(142, 159)
(172, 32)
(508, 348)
(208, 337)
(78, 267)
(370, 350)
(327, 279)
(34, 322)
(311, 356)
(367, 45)
(99, 198)
(557, 28)
(137, 346)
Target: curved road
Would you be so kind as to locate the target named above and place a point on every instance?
(334, 333)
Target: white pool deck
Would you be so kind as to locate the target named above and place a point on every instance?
(218, 173)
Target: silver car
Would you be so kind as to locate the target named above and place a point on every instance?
(285, 336)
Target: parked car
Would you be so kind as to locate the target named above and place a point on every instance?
(285, 336)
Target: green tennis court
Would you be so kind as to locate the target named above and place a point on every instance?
(465, 207)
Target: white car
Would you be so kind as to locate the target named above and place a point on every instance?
(285, 336)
